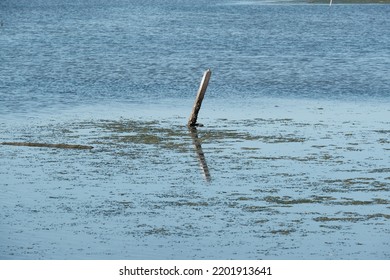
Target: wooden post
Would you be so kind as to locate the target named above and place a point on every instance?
(199, 98)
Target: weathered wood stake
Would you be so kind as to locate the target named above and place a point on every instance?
(199, 98)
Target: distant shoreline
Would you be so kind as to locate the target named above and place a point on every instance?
(350, 1)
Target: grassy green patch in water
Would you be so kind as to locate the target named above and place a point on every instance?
(352, 217)
(283, 231)
(287, 200)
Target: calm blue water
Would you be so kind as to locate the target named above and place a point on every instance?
(58, 54)
(294, 151)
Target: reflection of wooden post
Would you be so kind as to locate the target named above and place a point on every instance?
(199, 98)
(200, 154)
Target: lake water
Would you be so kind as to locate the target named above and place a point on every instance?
(293, 161)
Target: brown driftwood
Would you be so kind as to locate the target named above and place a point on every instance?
(46, 145)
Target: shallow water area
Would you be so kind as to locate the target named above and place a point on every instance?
(286, 180)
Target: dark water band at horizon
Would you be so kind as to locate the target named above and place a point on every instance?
(59, 55)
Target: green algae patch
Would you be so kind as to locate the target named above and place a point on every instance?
(362, 202)
(353, 218)
(154, 133)
(287, 200)
(158, 231)
(283, 231)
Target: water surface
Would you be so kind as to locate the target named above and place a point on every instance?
(292, 161)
